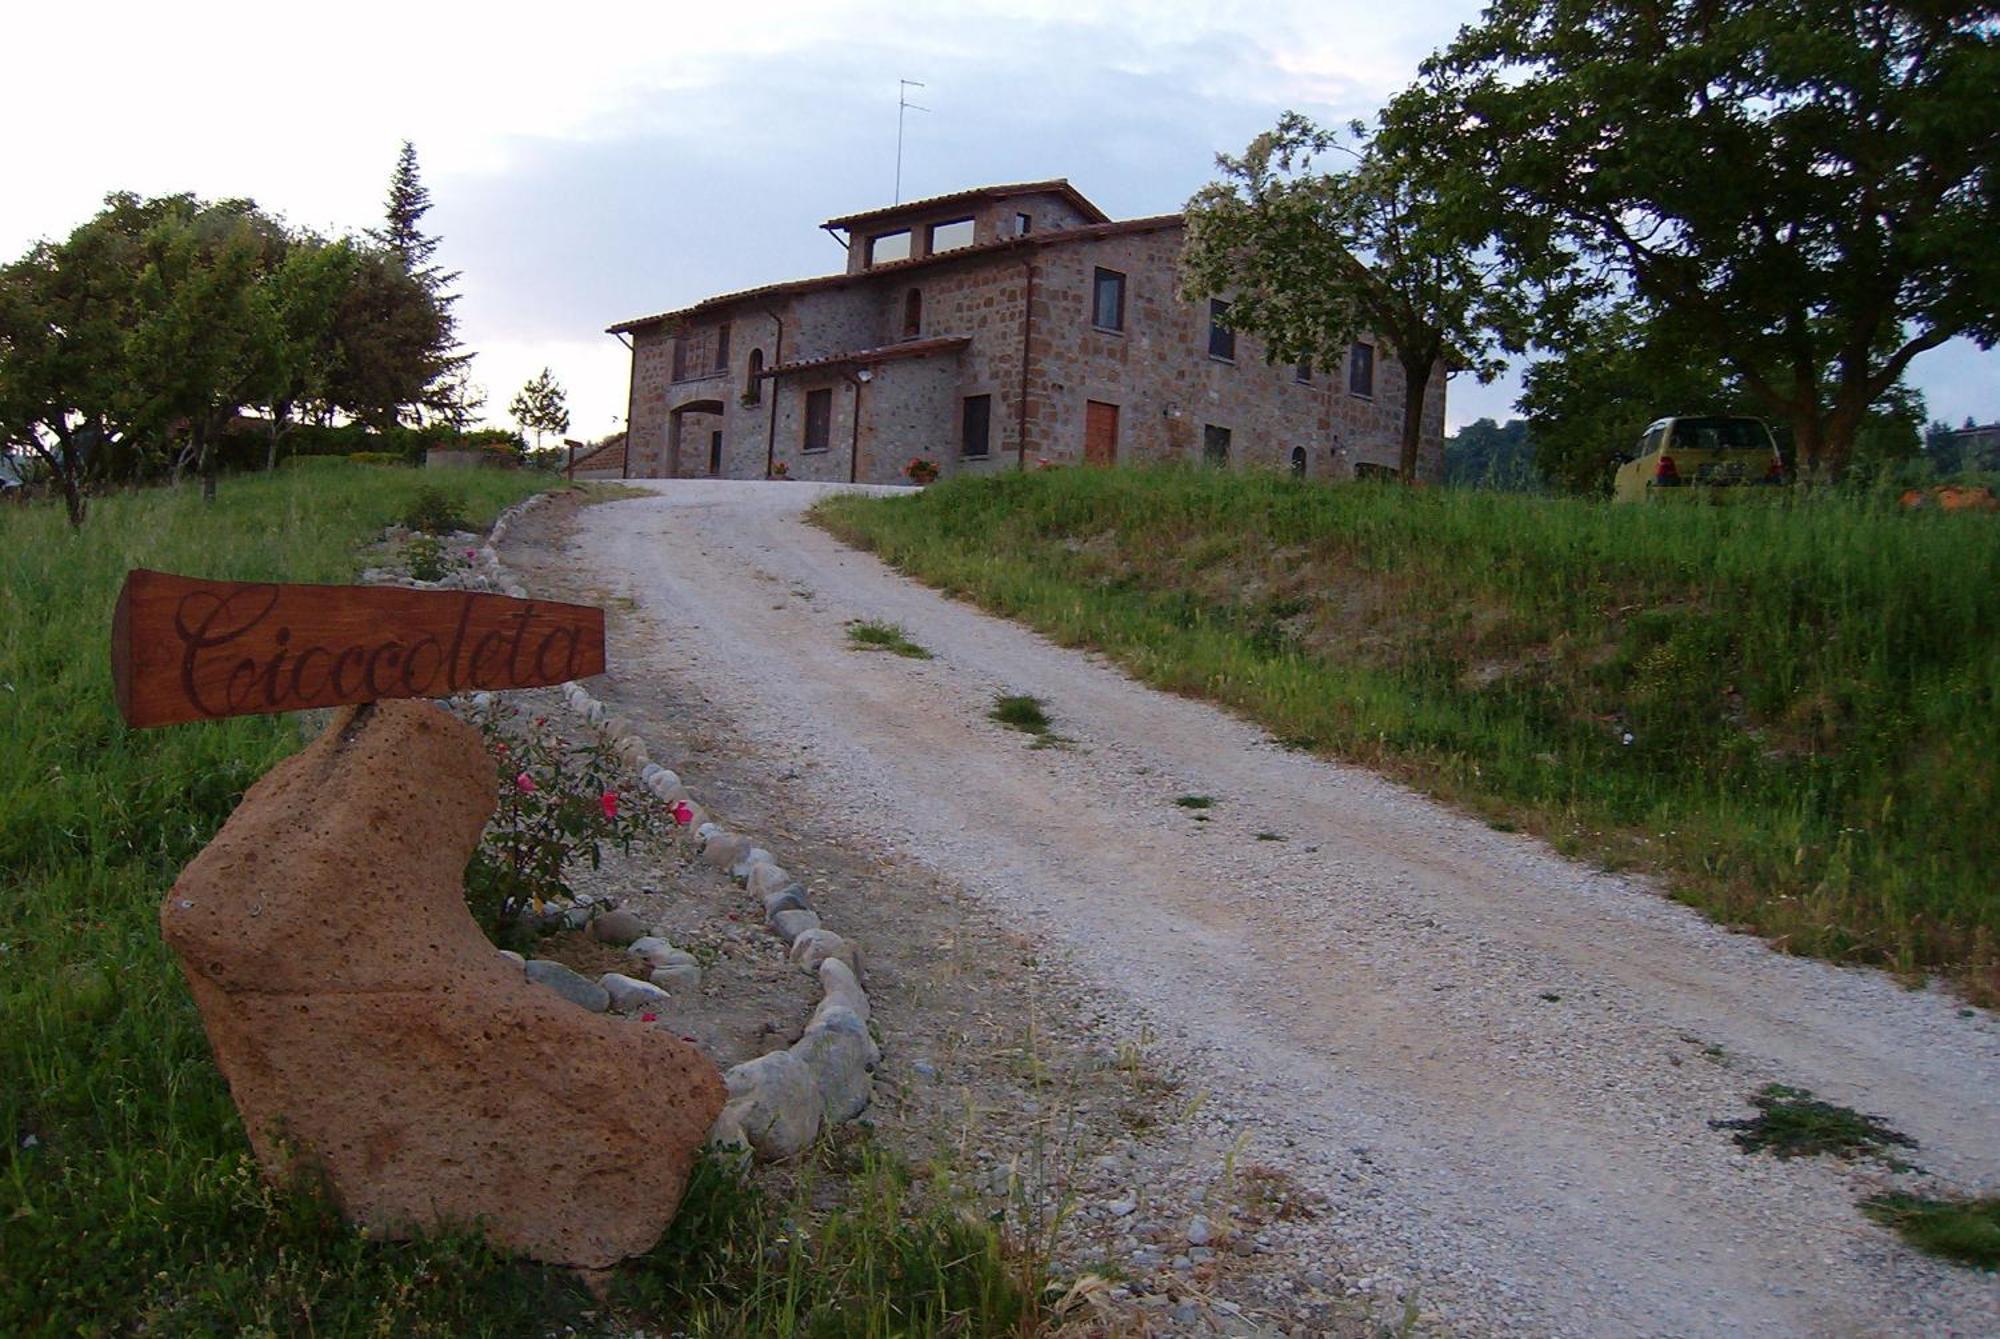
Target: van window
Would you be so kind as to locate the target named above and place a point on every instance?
(1651, 441)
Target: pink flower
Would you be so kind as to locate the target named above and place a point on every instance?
(649, 1018)
(470, 555)
(682, 814)
(608, 801)
(524, 782)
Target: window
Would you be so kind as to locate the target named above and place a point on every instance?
(977, 425)
(913, 314)
(753, 381)
(1023, 224)
(1221, 339)
(951, 236)
(1214, 445)
(819, 420)
(715, 453)
(680, 372)
(1361, 371)
(722, 347)
(888, 246)
(1107, 303)
(1303, 373)
(1298, 462)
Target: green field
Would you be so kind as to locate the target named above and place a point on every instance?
(1788, 709)
(129, 1200)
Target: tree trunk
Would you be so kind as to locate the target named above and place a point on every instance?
(1811, 461)
(73, 500)
(206, 452)
(280, 420)
(1415, 382)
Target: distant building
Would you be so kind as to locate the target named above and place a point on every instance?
(993, 329)
(1978, 447)
(605, 460)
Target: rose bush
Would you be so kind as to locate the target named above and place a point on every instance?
(559, 805)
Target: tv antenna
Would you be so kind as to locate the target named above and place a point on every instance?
(903, 104)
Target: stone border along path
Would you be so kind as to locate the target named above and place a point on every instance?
(778, 1101)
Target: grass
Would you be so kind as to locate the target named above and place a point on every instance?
(1787, 710)
(1966, 1231)
(1195, 802)
(1792, 1123)
(871, 635)
(1022, 712)
(129, 1199)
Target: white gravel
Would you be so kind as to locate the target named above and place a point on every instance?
(1364, 999)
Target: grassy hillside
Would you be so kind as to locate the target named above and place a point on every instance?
(1791, 710)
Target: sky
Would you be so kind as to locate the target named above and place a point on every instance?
(594, 162)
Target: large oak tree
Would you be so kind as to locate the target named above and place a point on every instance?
(1805, 187)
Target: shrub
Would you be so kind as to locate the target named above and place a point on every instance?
(376, 458)
(558, 805)
(433, 512)
(426, 558)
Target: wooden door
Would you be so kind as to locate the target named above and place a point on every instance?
(1100, 433)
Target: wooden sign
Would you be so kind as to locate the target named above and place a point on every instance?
(188, 650)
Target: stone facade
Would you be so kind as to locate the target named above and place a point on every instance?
(850, 376)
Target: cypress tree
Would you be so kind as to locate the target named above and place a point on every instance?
(403, 237)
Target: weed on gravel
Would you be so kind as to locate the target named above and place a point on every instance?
(1963, 1230)
(1025, 713)
(872, 635)
(1792, 1123)
(1195, 802)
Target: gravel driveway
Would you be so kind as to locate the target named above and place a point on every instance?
(1499, 1065)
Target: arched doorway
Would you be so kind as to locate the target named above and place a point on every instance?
(1298, 462)
(697, 427)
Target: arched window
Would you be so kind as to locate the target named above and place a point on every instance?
(1298, 462)
(753, 386)
(913, 314)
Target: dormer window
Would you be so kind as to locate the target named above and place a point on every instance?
(885, 247)
(913, 314)
(951, 236)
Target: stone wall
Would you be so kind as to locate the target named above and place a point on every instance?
(830, 465)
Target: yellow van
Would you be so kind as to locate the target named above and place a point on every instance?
(1691, 457)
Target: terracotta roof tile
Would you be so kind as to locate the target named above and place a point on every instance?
(887, 353)
(1054, 237)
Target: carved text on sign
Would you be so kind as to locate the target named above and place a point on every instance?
(185, 650)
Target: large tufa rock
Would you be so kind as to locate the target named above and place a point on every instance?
(399, 1053)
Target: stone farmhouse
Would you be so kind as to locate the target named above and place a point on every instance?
(995, 328)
